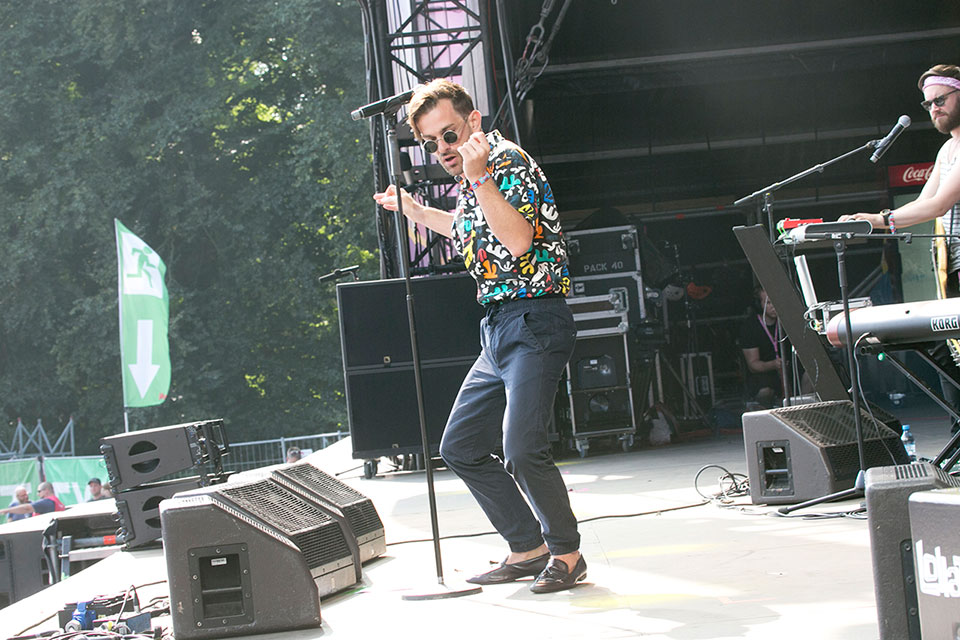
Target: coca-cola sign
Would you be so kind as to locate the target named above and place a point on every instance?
(910, 175)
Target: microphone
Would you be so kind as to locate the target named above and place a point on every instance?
(882, 146)
(391, 104)
(336, 274)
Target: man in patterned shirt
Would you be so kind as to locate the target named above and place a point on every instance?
(506, 227)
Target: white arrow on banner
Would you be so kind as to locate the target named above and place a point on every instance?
(143, 370)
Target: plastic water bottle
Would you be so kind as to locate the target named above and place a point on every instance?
(909, 443)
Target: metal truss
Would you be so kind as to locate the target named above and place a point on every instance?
(30, 442)
(409, 43)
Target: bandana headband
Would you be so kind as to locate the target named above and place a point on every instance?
(944, 80)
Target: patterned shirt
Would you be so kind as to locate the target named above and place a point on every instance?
(500, 277)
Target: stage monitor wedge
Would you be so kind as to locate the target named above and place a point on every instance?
(230, 574)
(261, 537)
(888, 490)
(808, 451)
(341, 501)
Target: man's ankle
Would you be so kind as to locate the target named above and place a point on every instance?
(515, 557)
(570, 559)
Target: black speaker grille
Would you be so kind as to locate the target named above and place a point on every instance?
(911, 471)
(844, 459)
(831, 423)
(319, 537)
(323, 545)
(831, 426)
(357, 508)
(308, 475)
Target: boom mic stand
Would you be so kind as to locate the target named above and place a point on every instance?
(388, 108)
(766, 193)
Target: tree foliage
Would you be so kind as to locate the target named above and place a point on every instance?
(219, 132)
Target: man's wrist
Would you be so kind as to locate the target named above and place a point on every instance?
(888, 220)
(479, 182)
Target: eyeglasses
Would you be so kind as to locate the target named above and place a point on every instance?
(449, 136)
(938, 101)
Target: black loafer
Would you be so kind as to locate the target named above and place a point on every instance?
(510, 572)
(556, 577)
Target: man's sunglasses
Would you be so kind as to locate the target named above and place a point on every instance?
(938, 101)
(449, 136)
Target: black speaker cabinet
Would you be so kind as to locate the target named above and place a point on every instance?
(934, 522)
(808, 451)
(378, 367)
(887, 492)
(139, 457)
(382, 407)
(374, 331)
(263, 556)
(139, 509)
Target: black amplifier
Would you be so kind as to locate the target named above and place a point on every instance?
(593, 252)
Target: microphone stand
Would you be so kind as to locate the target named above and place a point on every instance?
(442, 590)
(840, 247)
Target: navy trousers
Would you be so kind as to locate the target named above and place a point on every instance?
(496, 435)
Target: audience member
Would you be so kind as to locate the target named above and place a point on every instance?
(20, 497)
(46, 503)
(97, 491)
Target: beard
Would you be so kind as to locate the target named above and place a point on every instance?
(949, 122)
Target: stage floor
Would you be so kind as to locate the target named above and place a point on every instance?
(662, 561)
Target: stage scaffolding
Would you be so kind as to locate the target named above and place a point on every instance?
(411, 42)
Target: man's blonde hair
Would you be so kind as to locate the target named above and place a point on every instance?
(426, 96)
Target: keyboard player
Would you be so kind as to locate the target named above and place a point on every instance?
(939, 198)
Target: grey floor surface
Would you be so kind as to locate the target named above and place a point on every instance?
(663, 562)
